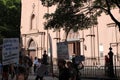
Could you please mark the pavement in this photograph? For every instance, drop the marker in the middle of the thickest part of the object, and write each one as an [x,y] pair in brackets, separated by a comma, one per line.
[32,77]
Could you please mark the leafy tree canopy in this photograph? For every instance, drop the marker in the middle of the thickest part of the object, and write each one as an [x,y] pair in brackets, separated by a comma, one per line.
[106,6]
[68,15]
[9,18]
[78,14]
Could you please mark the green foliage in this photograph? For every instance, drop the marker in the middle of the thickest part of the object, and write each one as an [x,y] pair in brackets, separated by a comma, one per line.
[68,16]
[10,12]
[78,14]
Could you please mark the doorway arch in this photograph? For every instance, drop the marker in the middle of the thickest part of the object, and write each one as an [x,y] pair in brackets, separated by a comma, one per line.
[32,48]
[73,39]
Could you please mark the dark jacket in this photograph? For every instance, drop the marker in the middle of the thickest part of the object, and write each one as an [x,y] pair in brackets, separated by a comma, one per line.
[64,74]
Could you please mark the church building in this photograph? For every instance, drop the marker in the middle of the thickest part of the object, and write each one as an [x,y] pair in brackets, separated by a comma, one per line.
[93,42]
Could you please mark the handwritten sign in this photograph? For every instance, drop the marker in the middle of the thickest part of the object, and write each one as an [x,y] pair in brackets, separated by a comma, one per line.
[62,50]
[10,51]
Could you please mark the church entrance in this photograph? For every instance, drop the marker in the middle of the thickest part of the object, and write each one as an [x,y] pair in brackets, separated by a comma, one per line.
[73,39]
[32,49]
[74,48]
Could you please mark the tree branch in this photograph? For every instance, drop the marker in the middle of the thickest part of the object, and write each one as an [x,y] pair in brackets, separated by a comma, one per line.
[116,2]
[99,7]
[111,15]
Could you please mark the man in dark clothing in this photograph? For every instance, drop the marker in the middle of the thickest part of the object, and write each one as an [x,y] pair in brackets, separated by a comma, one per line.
[5,73]
[45,57]
[72,70]
[64,73]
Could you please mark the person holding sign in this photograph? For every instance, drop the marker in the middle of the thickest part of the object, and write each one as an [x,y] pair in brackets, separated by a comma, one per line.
[5,73]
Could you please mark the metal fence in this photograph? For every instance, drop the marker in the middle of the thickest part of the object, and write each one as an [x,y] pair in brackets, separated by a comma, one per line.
[94,67]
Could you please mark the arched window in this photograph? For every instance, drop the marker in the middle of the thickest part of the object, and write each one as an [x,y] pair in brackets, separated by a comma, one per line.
[32,21]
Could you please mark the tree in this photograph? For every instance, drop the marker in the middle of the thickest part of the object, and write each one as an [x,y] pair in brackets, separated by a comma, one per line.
[9,18]
[68,15]
[99,6]
[78,14]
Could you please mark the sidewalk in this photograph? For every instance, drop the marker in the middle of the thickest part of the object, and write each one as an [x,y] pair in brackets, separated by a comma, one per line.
[32,77]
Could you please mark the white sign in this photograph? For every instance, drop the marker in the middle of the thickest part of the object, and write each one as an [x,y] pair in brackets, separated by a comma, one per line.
[10,51]
[62,50]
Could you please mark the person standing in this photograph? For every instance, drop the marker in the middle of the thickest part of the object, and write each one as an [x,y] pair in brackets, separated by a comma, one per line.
[78,65]
[28,64]
[1,66]
[38,64]
[35,63]
[20,69]
[12,70]
[106,65]
[45,57]
[40,70]
[73,72]
[5,73]
[64,73]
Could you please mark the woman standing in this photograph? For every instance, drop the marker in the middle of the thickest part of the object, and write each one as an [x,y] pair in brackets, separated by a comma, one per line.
[106,65]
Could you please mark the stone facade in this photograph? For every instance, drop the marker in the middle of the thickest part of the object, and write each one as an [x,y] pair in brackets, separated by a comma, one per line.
[93,42]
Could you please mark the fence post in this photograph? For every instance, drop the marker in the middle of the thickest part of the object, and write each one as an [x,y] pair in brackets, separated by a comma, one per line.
[111,73]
